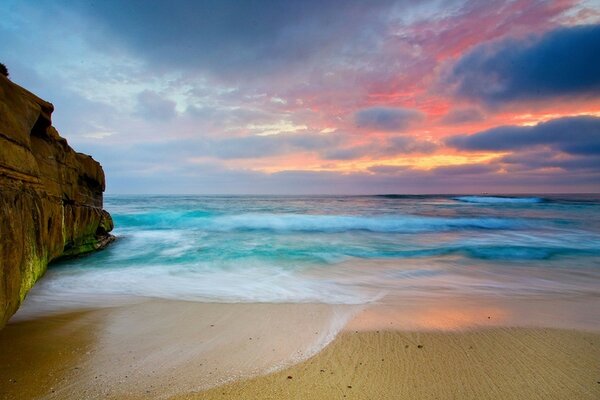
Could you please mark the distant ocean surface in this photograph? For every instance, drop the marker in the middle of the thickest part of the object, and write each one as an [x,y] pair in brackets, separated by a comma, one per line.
[337,250]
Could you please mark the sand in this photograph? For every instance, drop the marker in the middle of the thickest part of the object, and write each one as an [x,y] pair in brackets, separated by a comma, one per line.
[180,350]
[499,363]
[156,349]
[36,357]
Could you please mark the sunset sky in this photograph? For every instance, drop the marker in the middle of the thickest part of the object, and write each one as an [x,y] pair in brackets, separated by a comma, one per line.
[328,97]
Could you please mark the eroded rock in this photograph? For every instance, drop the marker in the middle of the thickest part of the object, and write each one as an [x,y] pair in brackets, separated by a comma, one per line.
[50,196]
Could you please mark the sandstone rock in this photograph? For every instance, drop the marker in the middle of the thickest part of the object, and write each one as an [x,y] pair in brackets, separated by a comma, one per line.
[50,196]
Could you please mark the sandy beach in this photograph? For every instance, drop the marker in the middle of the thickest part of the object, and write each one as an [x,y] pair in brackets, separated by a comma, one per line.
[186,350]
[507,363]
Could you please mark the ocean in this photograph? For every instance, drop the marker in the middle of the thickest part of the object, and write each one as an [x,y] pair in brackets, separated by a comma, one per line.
[355,250]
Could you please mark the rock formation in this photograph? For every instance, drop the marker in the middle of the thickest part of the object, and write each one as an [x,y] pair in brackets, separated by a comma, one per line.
[50,196]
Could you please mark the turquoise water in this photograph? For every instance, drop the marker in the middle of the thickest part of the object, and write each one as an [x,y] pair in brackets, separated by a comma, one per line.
[338,250]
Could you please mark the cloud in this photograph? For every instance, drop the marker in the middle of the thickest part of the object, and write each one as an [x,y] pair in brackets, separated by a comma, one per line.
[389,147]
[154,107]
[259,146]
[572,135]
[332,146]
[570,144]
[168,167]
[212,179]
[386,118]
[241,69]
[463,115]
[224,37]
[531,160]
[465,170]
[389,169]
[408,145]
[562,62]
[459,172]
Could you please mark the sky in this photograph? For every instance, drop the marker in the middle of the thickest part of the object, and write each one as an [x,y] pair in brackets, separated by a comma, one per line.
[319,97]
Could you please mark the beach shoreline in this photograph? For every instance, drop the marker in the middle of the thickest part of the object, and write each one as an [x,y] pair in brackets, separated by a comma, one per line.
[186,350]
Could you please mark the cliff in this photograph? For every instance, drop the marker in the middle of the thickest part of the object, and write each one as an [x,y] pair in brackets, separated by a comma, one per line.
[50,196]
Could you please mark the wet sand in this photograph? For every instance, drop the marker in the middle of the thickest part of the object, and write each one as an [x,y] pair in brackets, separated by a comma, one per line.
[39,356]
[156,349]
[184,350]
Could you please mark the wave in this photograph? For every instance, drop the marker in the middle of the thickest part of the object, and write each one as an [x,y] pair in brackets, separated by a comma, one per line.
[159,218]
[316,223]
[498,199]
[340,223]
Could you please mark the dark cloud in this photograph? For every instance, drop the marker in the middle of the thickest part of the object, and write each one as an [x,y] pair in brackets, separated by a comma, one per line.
[563,62]
[571,135]
[562,149]
[387,118]
[530,160]
[154,107]
[222,36]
